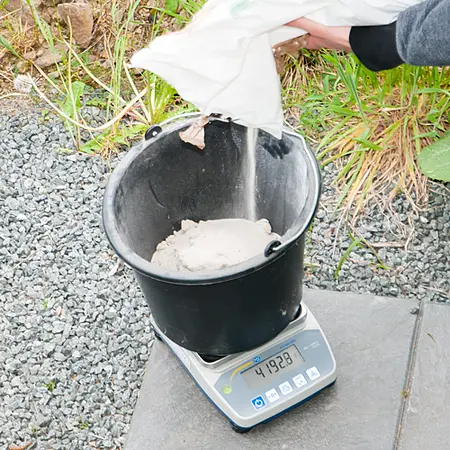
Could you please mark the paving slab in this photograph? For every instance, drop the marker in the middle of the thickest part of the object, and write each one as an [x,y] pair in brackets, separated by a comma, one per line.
[426,421]
[370,337]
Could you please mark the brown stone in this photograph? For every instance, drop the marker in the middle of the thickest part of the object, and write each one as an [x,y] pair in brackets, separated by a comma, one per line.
[49,57]
[31,55]
[25,14]
[81,19]
[13,5]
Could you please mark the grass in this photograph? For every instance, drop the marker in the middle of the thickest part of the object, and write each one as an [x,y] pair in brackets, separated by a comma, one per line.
[371,126]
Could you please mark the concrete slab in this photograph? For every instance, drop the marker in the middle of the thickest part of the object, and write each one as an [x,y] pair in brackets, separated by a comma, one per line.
[370,337]
[426,419]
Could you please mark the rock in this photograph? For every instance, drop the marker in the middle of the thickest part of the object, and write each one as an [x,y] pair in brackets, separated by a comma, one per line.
[13,5]
[26,17]
[110,314]
[31,55]
[58,327]
[25,14]
[81,20]
[49,347]
[42,421]
[50,57]
[59,357]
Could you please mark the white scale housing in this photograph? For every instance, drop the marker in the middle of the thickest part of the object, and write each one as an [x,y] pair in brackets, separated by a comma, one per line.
[256,386]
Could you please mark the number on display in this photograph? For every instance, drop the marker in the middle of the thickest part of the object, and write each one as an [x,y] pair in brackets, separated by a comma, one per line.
[260,372]
[288,358]
[276,364]
[281,362]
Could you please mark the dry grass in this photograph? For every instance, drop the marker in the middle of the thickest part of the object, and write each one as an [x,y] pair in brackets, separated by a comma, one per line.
[372,126]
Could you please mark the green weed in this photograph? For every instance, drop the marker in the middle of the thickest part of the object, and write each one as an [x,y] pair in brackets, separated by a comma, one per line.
[83,424]
[5,43]
[51,385]
[355,243]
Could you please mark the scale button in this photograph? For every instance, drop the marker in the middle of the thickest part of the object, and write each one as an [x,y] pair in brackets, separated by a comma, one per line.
[286,388]
[272,395]
[299,380]
[313,373]
[258,402]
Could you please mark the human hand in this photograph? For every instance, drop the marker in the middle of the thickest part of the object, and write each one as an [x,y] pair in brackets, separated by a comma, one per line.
[320,36]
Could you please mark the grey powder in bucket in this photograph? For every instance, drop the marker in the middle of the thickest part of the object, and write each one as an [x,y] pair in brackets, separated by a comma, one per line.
[213,244]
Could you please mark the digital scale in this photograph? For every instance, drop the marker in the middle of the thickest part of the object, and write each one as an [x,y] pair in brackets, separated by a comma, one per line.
[256,386]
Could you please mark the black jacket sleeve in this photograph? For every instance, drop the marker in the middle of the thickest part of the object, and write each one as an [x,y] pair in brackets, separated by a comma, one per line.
[419,37]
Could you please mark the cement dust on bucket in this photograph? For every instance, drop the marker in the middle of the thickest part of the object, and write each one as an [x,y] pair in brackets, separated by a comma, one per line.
[250,189]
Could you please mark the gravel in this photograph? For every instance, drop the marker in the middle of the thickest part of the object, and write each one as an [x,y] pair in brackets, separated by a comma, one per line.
[414,246]
[75,328]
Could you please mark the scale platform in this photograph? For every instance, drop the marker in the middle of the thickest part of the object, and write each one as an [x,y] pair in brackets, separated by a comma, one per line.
[257,386]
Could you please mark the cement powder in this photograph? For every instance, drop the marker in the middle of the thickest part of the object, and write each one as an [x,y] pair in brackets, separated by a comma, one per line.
[213,244]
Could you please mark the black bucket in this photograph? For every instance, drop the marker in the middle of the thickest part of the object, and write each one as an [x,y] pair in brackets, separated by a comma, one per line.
[163,181]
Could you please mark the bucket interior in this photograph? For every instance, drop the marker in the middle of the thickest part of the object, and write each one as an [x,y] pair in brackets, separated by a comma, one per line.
[169,181]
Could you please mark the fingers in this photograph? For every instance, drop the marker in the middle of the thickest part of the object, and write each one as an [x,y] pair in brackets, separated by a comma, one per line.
[314,43]
[321,36]
[305,24]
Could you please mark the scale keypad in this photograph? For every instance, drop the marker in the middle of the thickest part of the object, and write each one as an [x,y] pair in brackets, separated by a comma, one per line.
[272,395]
[313,373]
[286,388]
[300,380]
[258,402]
[277,378]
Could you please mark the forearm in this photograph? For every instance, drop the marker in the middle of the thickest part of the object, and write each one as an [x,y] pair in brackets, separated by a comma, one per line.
[419,37]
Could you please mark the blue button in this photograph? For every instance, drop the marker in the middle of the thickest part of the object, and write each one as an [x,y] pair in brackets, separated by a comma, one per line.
[258,403]
[257,359]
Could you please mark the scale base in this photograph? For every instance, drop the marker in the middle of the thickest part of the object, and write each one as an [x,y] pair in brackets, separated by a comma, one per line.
[222,380]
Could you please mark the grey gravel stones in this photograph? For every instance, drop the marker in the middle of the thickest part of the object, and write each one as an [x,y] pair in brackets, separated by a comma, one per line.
[74,339]
[422,271]
[75,330]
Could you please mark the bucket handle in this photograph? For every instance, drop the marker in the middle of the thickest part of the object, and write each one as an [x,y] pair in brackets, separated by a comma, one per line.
[152,132]
[272,248]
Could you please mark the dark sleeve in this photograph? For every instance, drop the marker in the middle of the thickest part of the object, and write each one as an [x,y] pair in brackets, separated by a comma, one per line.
[376,47]
[419,37]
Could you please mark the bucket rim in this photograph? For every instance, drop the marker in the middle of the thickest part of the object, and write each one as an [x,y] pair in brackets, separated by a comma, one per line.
[148,269]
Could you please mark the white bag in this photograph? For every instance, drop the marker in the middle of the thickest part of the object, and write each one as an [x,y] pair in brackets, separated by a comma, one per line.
[222,62]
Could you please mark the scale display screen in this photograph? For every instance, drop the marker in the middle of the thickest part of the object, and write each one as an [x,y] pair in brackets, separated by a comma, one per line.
[273,367]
